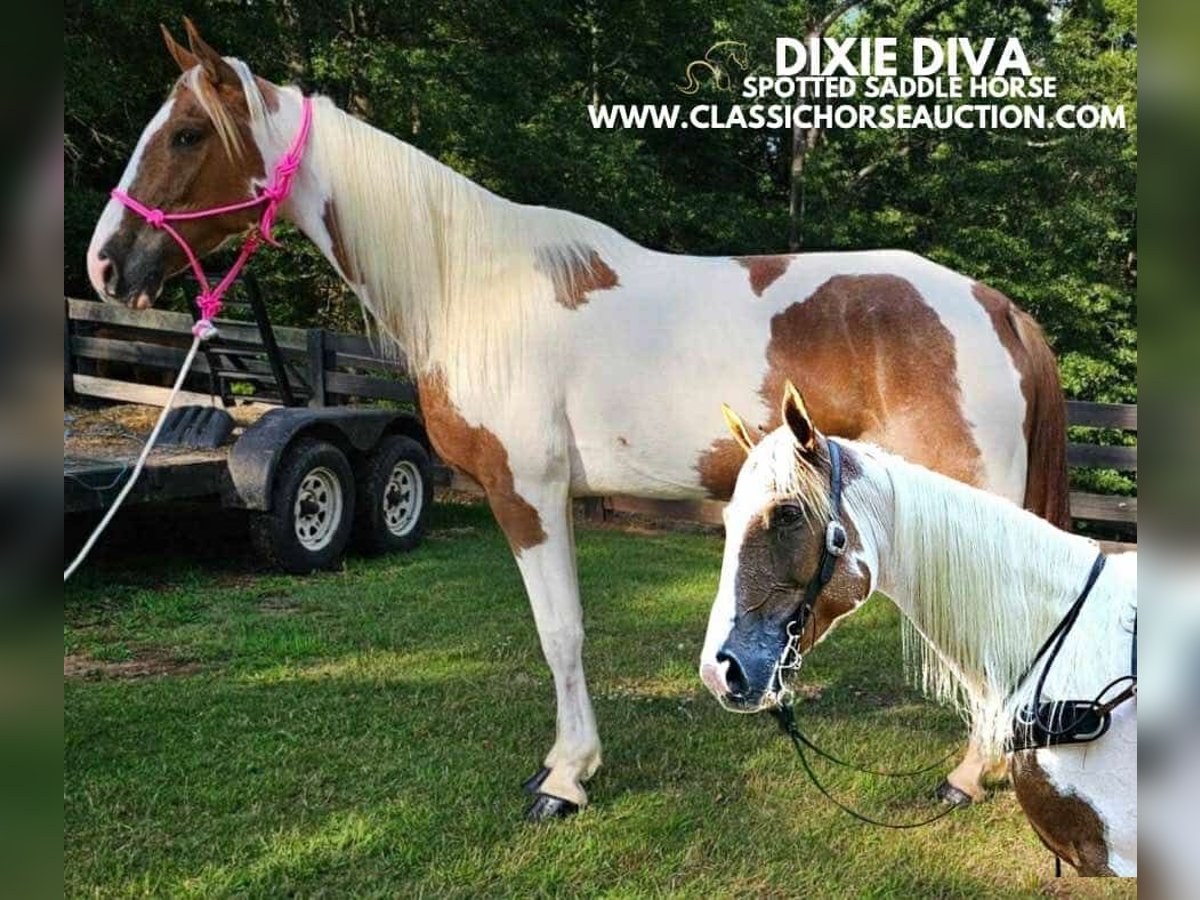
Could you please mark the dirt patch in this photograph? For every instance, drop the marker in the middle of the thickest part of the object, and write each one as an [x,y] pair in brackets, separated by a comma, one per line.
[466,494]
[636,523]
[149,665]
[446,534]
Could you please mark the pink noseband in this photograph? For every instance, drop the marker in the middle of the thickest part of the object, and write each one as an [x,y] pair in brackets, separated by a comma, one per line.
[209,299]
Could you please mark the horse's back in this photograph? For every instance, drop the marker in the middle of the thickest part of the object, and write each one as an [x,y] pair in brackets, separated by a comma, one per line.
[887,347]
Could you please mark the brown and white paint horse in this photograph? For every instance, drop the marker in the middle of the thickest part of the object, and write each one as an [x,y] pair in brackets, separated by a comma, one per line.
[555,358]
[983,581]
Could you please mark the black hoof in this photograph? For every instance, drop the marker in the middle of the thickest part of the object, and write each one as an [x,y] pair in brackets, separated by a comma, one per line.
[534,782]
[547,806]
[949,794]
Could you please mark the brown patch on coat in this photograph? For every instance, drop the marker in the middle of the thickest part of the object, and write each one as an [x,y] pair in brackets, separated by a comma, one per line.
[1065,822]
[1046,480]
[764,270]
[874,362]
[341,254]
[573,281]
[477,452]
[719,465]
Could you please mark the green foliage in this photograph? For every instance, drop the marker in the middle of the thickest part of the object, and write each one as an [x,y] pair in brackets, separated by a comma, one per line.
[498,89]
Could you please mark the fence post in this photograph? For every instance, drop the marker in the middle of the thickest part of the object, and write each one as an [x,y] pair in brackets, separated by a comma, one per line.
[316,366]
[68,357]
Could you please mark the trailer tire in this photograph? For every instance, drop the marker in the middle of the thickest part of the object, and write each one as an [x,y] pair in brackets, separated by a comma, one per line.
[395,494]
[312,509]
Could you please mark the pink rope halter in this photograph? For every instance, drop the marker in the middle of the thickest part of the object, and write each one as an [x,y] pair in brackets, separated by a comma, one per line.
[209,299]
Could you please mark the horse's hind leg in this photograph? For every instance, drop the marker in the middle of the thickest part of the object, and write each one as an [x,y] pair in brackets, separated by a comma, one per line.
[548,569]
[965,783]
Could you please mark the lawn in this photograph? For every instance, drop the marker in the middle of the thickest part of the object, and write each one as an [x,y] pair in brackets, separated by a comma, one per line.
[235,732]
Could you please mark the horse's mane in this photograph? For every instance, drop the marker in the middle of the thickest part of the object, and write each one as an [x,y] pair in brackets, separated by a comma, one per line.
[985,581]
[448,269]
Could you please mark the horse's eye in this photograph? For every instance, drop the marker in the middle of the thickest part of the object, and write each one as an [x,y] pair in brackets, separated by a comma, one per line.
[787,515]
[186,137]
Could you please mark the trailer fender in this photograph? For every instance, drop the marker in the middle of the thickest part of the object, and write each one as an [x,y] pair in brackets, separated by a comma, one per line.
[254,457]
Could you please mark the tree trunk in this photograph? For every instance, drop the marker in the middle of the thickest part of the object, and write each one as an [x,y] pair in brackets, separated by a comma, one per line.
[805,139]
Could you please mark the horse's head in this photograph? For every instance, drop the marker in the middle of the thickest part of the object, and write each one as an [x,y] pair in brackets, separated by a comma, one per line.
[204,148]
[776,529]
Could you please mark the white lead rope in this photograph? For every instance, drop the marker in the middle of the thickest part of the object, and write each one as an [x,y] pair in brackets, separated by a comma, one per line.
[138,466]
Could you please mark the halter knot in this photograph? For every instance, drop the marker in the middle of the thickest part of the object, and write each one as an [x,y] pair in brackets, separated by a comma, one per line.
[156,218]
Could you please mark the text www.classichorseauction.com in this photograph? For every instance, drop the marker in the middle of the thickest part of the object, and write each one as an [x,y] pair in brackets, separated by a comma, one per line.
[857,83]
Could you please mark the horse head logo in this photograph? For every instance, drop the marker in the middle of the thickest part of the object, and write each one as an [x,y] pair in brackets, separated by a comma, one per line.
[718,60]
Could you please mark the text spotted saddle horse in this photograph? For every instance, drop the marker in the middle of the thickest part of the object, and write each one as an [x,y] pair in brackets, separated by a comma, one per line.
[1050,723]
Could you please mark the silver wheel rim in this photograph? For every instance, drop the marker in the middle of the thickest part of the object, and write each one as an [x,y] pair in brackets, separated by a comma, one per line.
[318,509]
[402,496]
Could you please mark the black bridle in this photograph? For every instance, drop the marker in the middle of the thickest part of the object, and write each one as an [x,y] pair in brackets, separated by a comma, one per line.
[1051,732]
[1050,723]
[831,551]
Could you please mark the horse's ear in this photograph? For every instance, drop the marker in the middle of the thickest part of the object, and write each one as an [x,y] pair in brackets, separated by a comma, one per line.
[738,429]
[215,67]
[183,57]
[795,414]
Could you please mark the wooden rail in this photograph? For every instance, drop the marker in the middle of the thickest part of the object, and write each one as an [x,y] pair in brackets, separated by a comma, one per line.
[1114,514]
[323,367]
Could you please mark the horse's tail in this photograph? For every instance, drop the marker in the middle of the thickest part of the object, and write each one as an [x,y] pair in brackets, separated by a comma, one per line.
[1046,483]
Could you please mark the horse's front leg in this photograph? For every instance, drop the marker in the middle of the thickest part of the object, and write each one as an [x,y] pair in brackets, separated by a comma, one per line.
[546,558]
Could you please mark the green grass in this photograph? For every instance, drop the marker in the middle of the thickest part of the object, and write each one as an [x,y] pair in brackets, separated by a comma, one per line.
[366,732]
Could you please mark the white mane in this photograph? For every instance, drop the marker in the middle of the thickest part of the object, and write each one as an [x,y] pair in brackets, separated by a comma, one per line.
[987,582]
[984,583]
[451,271]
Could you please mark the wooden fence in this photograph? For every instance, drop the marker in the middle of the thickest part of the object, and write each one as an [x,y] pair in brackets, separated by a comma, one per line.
[1106,515]
[322,367]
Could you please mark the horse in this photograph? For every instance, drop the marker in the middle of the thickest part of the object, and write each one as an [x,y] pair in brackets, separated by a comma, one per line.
[555,358]
[816,526]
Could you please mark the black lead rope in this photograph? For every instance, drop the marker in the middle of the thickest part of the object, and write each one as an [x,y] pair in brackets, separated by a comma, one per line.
[787,721]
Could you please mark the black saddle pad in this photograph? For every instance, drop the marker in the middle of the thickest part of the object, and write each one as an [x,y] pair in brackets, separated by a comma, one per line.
[1065,722]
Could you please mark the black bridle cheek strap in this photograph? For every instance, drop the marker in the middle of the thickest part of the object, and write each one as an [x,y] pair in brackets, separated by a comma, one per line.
[835,545]
[833,549]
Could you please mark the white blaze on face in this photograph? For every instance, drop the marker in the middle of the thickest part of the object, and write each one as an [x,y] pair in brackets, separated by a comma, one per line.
[110,219]
[750,497]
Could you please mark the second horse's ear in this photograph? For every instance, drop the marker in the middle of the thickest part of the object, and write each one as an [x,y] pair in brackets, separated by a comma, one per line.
[799,422]
[738,429]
